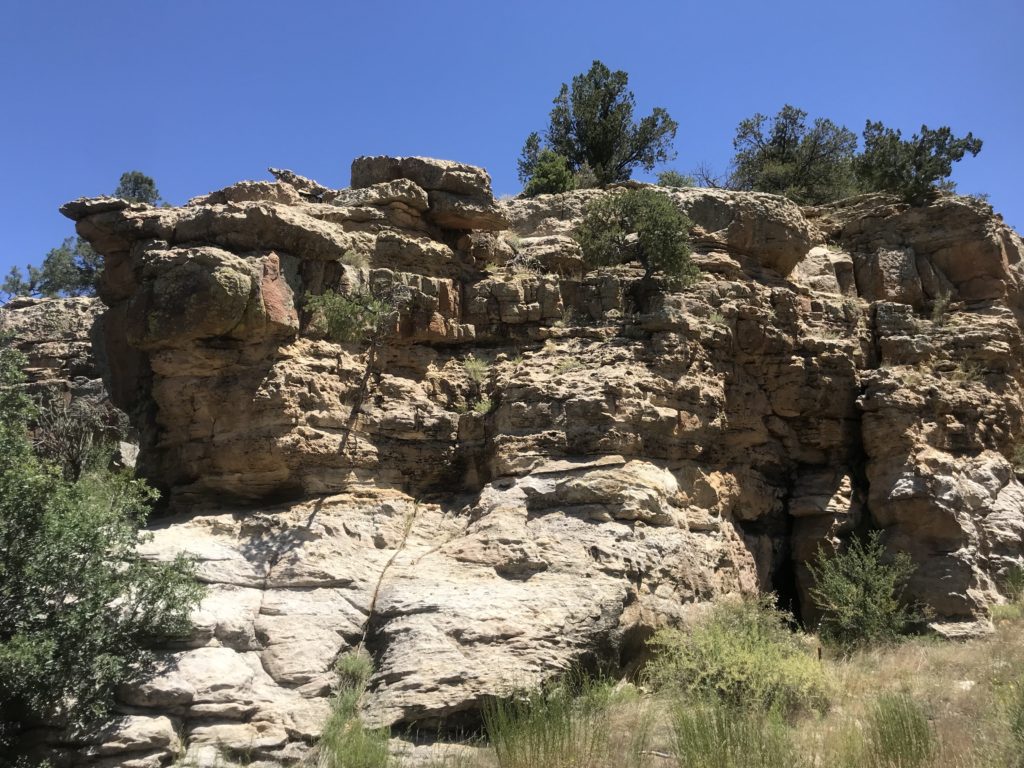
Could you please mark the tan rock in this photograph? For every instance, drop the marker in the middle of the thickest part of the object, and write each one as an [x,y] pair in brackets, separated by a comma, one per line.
[627,451]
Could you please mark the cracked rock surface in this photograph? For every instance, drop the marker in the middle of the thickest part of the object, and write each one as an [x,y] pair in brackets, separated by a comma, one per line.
[630,450]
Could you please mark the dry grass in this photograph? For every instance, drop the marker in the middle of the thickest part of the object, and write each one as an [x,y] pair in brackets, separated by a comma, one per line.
[924,703]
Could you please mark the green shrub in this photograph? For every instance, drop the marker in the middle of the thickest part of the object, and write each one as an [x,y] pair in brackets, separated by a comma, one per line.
[675,179]
[661,242]
[550,175]
[713,735]
[78,604]
[809,164]
[912,168]
[591,126]
[859,594]
[355,317]
[742,654]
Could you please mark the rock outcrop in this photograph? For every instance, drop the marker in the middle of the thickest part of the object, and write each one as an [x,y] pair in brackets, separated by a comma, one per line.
[629,450]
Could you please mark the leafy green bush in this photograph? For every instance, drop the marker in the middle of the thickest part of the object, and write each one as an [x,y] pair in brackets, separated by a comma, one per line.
[550,175]
[591,125]
[137,187]
[810,165]
[860,594]
[742,654]
[712,735]
[78,604]
[675,179]
[912,168]
[661,244]
[355,317]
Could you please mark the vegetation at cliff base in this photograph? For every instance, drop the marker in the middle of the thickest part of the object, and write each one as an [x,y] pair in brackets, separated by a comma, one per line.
[743,654]
[641,225]
[593,128]
[859,591]
[78,603]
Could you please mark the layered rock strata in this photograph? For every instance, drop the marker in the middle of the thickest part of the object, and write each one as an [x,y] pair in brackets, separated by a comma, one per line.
[631,449]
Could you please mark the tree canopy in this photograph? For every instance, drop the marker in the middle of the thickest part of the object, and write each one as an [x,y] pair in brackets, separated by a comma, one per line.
[592,126]
[70,269]
[77,601]
[73,267]
[783,155]
[138,188]
[912,168]
[818,163]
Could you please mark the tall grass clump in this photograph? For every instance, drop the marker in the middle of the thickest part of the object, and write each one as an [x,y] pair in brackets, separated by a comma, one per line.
[744,655]
[1015,718]
[346,742]
[897,734]
[562,724]
[860,594]
[476,369]
[712,735]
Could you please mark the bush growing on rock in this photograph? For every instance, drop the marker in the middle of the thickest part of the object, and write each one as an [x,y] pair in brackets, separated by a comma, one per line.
[77,602]
[743,655]
[810,165]
[675,179]
[637,225]
[550,175]
[354,317]
[860,594]
[137,187]
[913,168]
[592,127]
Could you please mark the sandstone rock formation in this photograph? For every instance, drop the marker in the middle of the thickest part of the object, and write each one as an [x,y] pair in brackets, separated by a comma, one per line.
[630,451]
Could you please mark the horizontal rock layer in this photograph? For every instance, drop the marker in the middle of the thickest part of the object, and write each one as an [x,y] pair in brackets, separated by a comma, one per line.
[543,464]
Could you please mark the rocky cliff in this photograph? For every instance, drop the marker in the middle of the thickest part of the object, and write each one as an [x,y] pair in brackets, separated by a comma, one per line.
[630,449]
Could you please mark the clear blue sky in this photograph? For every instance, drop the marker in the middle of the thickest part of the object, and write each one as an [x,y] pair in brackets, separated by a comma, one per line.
[202,93]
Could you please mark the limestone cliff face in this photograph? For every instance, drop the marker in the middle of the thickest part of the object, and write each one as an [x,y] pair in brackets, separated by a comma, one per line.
[633,449]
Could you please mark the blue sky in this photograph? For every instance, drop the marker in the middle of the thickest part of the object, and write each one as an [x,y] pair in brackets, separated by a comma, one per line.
[199,94]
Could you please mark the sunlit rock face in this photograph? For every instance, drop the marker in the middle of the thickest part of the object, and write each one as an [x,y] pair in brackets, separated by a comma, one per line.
[628,450]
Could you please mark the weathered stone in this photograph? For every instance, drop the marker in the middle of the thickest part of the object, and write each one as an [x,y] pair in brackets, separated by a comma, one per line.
[459,195]
[618,451]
